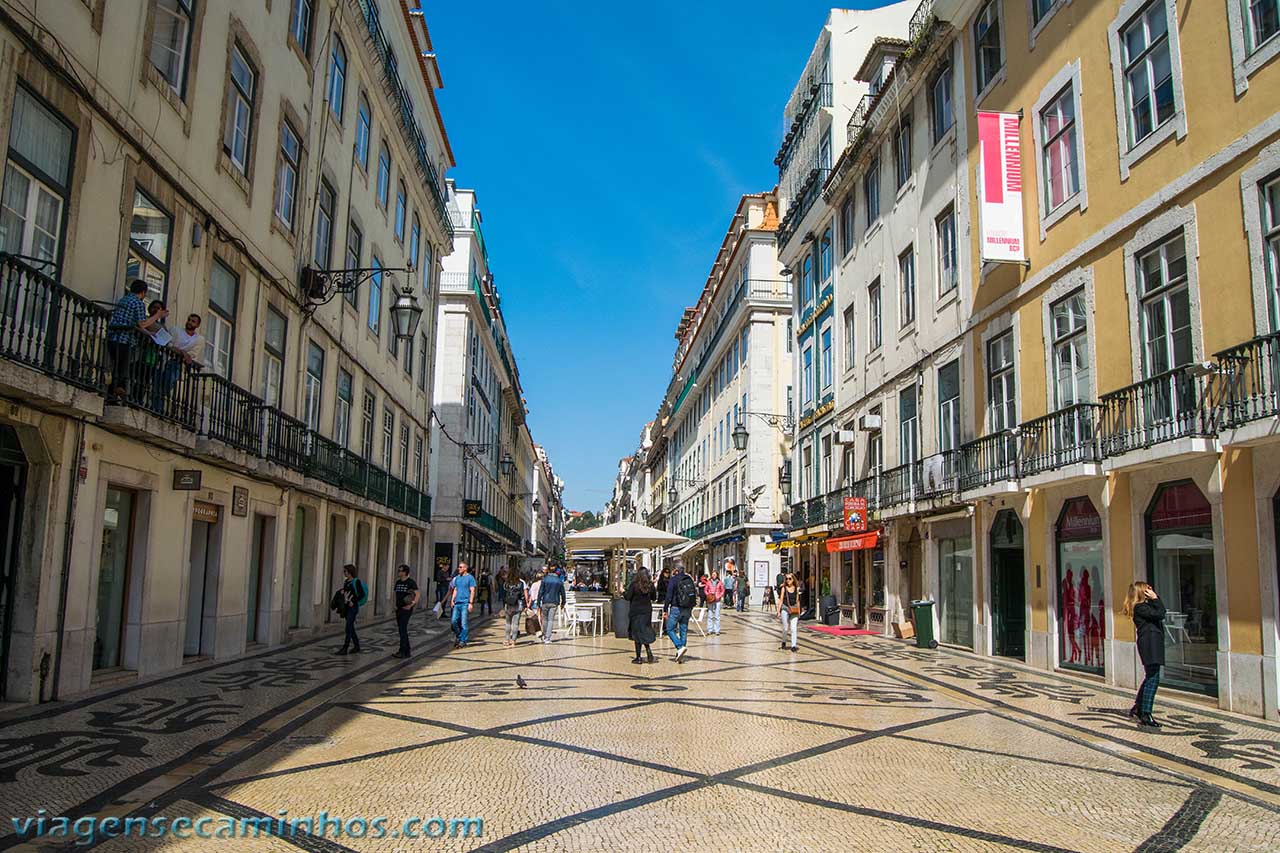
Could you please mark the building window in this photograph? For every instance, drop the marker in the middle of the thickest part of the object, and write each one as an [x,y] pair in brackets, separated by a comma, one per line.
[1072,379]
[871,191]
[1082,616]
[273,345]
[1166,306]
[949,406]
[1041,8]
[850,337]
[366,426]
[375,298]
[902,154]
[846,225]
[874,308]
[422,361]
[944,236]
[337,77]
[1001,389]
[1271,247]
[384,176]
[355,247]
[239,129]
[827,370]
[790,335]
[875,451]
[324,225]
[364,130]
[404,450]
[224,288]
[417,461]
[415,242]
[1058,153]
[906,288]
[1148,72]
[150,233]
[806,378]
[171,42]
[908,425]
[36,180]
[300,20]
[1263,22]
[388,435]
[806,279]
[287,174]
[988,44]
[941,116]
[402,201]
[342,410]
[824,257]
[314,383]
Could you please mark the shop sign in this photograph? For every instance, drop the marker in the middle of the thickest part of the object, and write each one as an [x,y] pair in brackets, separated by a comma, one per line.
[855,514]
[1000,187]
[863,542]
[239,501]
[471,509]
[186,480]
[206,512]
[1079,521]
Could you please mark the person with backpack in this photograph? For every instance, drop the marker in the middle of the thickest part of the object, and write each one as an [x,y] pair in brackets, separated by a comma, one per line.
[713,594]
[682,597]
[515,598]
[352,595]
[462,596]
[406,590]
[550,596]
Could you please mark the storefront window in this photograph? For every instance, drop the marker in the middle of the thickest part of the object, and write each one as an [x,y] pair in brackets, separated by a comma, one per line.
[877,578]
[1081,613]
[955,582]
[113,577]
[1181,568]
[846,574]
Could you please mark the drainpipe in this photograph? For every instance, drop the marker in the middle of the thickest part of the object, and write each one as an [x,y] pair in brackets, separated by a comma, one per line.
[73,490]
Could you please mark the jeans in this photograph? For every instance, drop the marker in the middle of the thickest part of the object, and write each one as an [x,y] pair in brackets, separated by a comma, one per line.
[548,612]
[486,603]
[402,623]
[742,602]
[459,622]
[678,626]
[713,617]
[351,640]
[1147,692]
[513,625]
[728,598]
[790,621]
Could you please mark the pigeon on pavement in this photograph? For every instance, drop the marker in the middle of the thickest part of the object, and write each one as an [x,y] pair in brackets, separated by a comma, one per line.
[520,682]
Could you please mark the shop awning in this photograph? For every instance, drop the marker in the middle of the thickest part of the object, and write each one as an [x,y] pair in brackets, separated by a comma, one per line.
[776,546]
[811,538]
[860,542]
[725,540]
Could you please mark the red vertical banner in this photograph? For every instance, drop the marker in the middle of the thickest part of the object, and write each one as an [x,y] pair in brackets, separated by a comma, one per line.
[1000,187]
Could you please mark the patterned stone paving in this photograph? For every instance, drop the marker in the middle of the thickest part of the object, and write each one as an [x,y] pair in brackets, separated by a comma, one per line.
[849,743]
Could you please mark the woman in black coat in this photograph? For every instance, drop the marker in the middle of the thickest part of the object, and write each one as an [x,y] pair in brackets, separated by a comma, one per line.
[641,594]
[1147,611]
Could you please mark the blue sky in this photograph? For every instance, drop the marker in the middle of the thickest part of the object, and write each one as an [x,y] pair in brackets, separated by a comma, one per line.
[609,145]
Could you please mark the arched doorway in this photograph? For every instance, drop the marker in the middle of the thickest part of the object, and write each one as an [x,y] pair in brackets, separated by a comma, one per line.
[1008,587]
[13,476]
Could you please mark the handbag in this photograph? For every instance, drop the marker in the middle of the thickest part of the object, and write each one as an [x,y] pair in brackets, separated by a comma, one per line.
[532,625]
[794,610]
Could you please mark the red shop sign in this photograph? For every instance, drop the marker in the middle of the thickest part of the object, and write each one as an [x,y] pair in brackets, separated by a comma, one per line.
[1079,521]
[861,542]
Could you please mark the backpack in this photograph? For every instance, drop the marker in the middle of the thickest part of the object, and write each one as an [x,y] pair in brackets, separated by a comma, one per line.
[361,591]
[515,594]
[686,592]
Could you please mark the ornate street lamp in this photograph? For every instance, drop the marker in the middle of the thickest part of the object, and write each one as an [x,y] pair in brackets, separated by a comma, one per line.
[672,496]
[783,423]
[740,435]
[405,314]
[506,464]
[319,287]
[784,480]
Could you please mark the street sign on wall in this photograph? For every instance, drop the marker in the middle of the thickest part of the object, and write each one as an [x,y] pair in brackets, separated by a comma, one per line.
[1000,187]
[855,515]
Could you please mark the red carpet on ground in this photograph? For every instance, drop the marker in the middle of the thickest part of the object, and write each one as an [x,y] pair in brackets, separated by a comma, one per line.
[842,631]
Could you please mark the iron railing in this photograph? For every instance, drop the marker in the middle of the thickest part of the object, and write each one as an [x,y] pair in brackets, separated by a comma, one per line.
[987,460]
[861,113]
[153,378]
[1172,405]
[231,414]
[49,327]
[1066,437]
[921,23]
[326,462]
[1251,371]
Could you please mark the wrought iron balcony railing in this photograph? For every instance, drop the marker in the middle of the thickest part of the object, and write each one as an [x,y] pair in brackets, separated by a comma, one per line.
[1175,404]
[1066,437]
[1252,380]
[49,327]
[987,460]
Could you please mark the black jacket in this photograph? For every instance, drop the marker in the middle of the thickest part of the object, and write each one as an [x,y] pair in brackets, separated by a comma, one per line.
[1148,621]
[640,617]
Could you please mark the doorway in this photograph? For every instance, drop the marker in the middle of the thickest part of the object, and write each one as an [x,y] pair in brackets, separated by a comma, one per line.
[382,574]
[260,571]
[911,578]
[13,474]
[197,587]
[295,568]
[114,570]
[955,590]
[1008,587]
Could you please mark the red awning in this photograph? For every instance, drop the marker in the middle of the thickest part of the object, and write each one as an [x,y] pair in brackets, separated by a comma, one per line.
[861,542]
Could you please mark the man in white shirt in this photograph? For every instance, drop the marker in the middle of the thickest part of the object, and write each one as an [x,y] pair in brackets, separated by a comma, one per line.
[189,341]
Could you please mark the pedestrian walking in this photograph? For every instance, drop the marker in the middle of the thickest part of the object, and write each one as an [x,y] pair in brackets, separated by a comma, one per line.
[353,596]
[442,582]
[550,596]
[406,590]
[744,593]
[641,595]
[789,609]
[462,596]
[484,593]
[681,598]
[1147,611]
[515,599]
[713,593]
[730,583]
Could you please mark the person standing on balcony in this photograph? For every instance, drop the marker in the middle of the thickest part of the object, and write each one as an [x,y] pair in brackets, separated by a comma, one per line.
[128,320]
[461,599]
[1147,611]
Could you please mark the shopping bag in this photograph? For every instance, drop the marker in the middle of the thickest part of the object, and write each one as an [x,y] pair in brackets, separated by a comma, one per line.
[435,611]
[532,625]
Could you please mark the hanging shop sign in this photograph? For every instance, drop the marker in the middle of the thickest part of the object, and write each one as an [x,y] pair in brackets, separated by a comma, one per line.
[186,479]
[471,509]
[206,512]
[855,514]
[1000,188]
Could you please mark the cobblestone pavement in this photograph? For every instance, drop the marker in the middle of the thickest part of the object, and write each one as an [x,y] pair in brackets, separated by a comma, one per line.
[849,743]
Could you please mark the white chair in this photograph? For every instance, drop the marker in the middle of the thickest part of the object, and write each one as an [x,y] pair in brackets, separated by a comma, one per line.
[699,620]
[581,616]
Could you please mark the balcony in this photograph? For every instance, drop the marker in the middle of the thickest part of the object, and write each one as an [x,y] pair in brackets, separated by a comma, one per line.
[1251,397]
[819,95]
[921,26]
[50,329]
[1062,439]
[1175,405]
[861,114]
[990,463]
[806,193]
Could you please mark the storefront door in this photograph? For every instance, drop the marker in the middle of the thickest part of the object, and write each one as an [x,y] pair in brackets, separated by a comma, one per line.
[955,590]
[13,471]
[1181,568]
[295,570]
[1008,587]
[1081,611]
[197,586]
[113,577]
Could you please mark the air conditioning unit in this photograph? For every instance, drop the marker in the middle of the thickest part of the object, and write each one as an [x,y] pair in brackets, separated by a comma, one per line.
[869,423]
[845,436]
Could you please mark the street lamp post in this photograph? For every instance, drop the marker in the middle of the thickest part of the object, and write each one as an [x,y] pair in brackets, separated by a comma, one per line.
[320,287]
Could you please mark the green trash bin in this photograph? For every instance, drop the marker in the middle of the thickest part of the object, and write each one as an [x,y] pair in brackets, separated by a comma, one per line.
[923,611]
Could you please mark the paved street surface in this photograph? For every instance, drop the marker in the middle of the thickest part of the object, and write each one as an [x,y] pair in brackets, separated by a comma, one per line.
[850,743]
